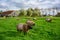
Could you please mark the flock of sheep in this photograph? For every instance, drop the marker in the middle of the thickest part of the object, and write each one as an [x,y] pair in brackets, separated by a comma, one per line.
[28,25]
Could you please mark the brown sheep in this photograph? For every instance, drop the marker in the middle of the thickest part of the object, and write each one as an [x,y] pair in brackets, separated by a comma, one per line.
[25,26]
[22,27]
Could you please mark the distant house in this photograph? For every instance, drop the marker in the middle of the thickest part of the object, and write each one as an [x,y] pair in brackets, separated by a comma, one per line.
[9,13]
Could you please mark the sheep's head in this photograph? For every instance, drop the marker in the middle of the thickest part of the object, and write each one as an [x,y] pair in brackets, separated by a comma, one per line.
[30,23]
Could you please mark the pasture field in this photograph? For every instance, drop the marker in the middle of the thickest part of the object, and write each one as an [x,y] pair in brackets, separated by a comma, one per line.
[41,31]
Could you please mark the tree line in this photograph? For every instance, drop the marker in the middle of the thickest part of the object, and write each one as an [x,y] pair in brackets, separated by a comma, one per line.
[30,12]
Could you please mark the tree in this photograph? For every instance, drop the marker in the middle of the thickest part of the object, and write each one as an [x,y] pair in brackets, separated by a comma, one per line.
[29,11]
[36,12]
[23,12]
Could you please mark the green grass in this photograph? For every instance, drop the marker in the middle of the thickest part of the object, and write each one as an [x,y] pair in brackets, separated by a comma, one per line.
[41,31]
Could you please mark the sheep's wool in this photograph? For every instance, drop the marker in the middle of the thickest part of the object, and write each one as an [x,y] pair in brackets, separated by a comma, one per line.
[20,26]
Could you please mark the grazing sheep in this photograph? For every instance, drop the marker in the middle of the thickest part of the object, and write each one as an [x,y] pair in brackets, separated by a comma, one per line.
[22,27]
[25,27]
[30,23]
[48,19]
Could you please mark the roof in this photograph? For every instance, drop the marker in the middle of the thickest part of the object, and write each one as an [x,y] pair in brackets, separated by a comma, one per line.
[7,12]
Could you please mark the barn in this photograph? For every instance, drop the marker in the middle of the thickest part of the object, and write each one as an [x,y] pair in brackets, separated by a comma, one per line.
[9,13]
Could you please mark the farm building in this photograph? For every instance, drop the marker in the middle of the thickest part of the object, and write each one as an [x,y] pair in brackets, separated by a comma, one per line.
[9,13]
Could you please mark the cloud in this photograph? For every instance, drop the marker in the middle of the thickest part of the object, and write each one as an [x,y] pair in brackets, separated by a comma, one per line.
[17,4]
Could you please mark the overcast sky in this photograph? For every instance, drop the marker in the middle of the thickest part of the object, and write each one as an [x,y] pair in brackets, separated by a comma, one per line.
[17,4]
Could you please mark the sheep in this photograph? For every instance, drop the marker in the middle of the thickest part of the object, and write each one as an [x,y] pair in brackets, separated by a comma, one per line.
[22,27]
[30,23]
[48,19]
